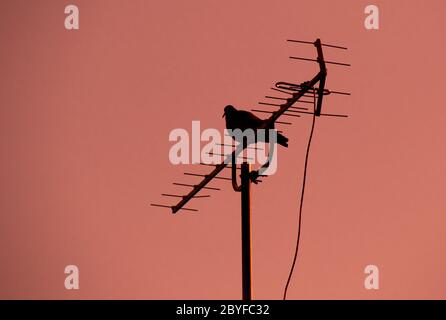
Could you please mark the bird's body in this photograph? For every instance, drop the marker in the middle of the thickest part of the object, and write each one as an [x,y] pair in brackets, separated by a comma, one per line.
[243,120]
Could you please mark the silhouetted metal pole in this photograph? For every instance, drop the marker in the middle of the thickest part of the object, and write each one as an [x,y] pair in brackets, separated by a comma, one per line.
[246,232]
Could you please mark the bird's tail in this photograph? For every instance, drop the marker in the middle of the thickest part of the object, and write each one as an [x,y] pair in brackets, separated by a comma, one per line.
[282,140]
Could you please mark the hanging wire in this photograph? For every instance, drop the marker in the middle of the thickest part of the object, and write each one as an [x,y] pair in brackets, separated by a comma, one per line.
[301,200]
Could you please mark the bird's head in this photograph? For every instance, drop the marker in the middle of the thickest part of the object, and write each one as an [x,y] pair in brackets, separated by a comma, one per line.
[228,110]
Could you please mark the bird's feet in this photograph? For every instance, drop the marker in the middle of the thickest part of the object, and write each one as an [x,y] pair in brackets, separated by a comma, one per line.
[253,176]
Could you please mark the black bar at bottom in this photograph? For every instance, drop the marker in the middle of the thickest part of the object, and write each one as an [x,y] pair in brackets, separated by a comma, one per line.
[223,309]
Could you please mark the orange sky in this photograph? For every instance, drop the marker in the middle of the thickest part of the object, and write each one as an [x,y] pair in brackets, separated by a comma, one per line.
[84,124]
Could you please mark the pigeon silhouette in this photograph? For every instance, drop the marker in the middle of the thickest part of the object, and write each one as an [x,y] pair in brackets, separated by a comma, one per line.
[240,119]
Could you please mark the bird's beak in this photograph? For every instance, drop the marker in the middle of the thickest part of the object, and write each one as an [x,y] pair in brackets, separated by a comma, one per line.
[223,115]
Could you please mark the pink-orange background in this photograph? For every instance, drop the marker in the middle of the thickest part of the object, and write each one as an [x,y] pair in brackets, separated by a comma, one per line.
[84,123]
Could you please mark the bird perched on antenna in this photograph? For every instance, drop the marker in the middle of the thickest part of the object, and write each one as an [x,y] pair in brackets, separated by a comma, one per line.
[240,119]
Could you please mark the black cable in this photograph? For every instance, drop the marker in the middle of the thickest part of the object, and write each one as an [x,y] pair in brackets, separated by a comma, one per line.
[301,203]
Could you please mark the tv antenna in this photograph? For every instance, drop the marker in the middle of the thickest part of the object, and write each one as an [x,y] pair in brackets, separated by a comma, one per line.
[315,90]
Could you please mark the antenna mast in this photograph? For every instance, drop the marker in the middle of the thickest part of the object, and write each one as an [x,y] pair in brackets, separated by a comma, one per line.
[296,92]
